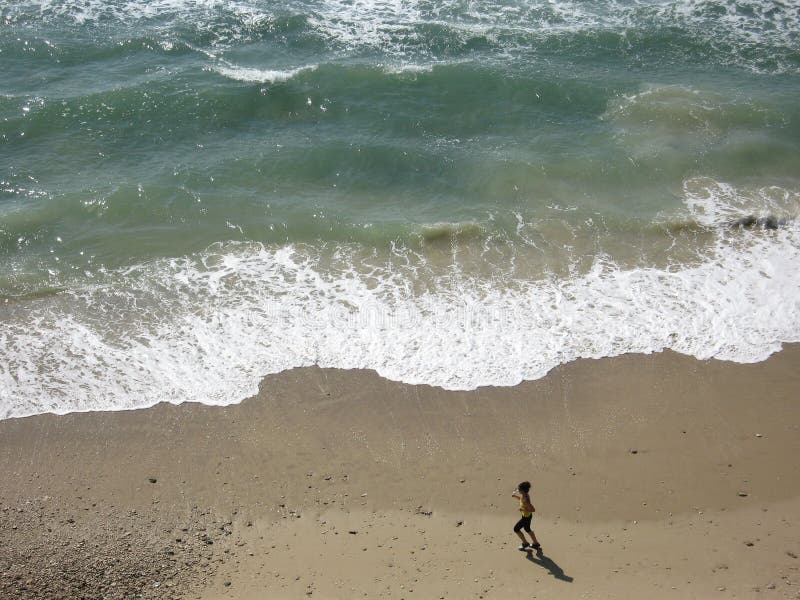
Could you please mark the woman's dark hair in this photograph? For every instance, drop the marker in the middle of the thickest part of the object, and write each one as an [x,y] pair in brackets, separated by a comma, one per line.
[524,487]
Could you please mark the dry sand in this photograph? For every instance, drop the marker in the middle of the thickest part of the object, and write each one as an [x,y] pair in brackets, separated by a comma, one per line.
[657,476]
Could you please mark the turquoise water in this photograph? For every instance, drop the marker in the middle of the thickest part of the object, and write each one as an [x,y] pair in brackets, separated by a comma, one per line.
[195,194]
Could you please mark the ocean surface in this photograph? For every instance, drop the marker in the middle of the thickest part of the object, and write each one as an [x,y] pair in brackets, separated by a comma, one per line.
[194,194]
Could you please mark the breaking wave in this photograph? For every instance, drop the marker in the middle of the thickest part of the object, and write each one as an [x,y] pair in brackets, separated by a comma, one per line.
[207,328]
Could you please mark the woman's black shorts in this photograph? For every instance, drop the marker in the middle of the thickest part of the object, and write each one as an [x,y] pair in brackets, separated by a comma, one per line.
[524,523]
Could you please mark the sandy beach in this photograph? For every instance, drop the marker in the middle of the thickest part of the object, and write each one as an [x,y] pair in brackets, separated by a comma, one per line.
[653,476]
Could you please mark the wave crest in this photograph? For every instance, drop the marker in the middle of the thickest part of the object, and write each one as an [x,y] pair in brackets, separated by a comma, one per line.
[253,75]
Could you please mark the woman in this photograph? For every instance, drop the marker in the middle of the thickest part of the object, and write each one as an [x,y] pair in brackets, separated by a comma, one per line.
[527,510]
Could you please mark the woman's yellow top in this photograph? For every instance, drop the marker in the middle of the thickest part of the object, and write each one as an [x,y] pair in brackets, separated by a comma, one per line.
[522,503]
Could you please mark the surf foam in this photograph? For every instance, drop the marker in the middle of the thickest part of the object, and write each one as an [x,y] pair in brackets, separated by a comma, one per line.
[208,328]
[756,34]
[254,75]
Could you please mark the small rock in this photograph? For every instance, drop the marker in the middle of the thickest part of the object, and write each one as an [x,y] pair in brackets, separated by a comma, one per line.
[227,584]
[152,479]
[748,544]
[459,523]
[634,451]
[771,586]
[743,494]
[352,532]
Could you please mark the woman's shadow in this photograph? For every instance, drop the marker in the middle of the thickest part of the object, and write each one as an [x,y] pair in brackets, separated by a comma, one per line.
[548,563]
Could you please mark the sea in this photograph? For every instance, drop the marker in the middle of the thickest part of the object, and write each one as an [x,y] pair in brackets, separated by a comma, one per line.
[197,193]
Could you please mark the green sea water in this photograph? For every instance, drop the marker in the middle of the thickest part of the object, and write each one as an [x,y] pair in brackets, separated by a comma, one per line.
[182,174]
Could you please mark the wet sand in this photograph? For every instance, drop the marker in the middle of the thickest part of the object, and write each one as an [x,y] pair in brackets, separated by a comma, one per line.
[653,475]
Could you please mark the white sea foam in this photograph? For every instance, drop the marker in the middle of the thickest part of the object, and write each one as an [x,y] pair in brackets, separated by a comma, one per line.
[255,75]
[741,32]
[716,204]
[249,74]
[405,67]
[208,328]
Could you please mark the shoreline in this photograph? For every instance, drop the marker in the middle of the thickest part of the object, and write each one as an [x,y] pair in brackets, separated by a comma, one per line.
[446,390]
[675,464]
